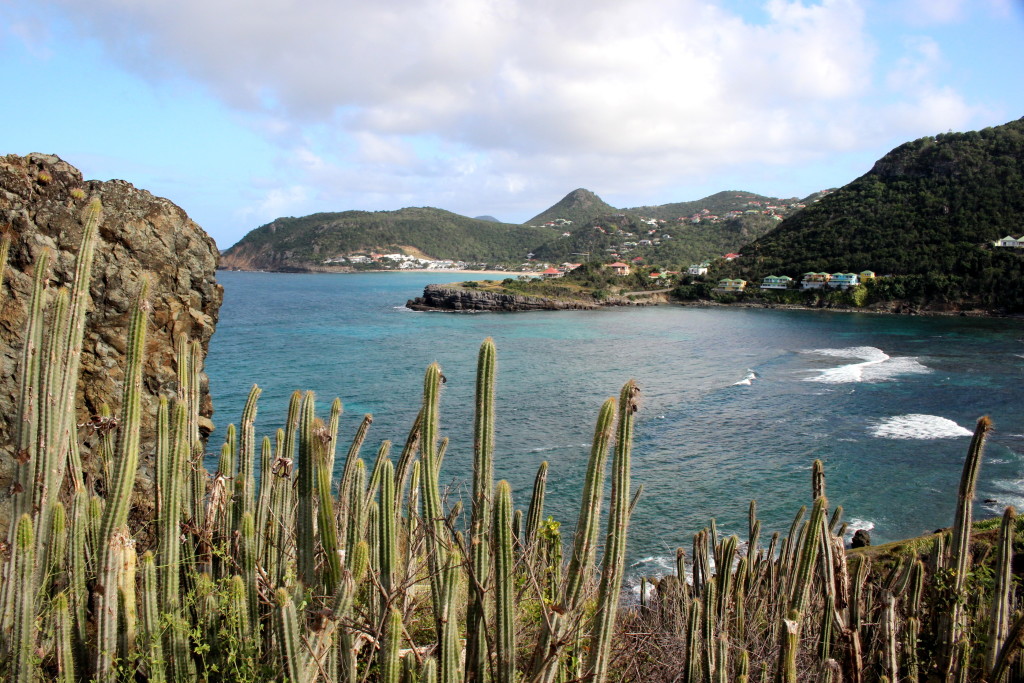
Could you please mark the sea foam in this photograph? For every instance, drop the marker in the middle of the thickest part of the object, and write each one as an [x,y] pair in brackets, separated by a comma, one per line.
[917,426]
[875,366]
[747,380]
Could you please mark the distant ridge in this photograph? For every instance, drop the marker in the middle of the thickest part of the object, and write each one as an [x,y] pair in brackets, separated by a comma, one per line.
[580,226]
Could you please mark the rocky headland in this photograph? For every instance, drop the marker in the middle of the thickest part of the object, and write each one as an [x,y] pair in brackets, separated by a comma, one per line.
[460,298]
[42,203]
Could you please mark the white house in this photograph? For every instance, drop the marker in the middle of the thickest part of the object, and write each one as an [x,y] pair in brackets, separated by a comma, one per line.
[698,269]
[776,282]
[1010,242]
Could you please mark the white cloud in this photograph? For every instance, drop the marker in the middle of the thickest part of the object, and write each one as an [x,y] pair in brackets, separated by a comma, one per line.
[275,202]
[414,98]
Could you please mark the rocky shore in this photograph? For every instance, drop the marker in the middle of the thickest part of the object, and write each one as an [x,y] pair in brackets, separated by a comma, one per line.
[465,299]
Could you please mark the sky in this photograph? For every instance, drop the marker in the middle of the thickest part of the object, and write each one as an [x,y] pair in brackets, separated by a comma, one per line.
[242,111]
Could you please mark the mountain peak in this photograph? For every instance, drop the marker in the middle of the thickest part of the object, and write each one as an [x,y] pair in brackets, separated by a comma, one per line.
[578,206]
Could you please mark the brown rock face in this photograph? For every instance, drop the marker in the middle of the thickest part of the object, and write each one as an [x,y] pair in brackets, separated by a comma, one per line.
[42,203]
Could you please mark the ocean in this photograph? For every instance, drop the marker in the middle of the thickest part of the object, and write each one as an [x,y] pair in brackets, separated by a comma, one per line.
[735,403]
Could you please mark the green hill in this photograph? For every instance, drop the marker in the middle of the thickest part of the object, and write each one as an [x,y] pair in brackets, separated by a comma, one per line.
[579,206]
[927,214]
[299,243]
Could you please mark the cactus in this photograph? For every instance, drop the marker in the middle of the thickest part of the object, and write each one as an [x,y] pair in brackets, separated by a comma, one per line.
[437,532]
[960,548]
[27,425]
[246,484]
[153,652]
[693,654]
[387,537]
[483,486]
[288,637]
[817,480]
[374,486]
[535,513]
[127,609]
[391,666]
[615,543]
[304,518]
[22,583]
[63,638]
[999,624]
[504,606]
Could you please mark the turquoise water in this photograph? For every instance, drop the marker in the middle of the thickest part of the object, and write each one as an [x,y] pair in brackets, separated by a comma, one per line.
[736,403]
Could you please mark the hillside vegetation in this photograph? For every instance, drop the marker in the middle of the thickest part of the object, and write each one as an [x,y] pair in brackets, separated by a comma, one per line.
[927,213]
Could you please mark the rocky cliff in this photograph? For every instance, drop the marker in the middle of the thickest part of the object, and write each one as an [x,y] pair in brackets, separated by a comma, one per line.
[42,202]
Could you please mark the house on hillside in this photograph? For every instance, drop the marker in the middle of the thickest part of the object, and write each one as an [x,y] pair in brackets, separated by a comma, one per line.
[1010,242]
[698,268]
[814,280]
[731,257]
[619,267]
[776,282]
[866,275]
[843,280]
[551,273]
[728,285]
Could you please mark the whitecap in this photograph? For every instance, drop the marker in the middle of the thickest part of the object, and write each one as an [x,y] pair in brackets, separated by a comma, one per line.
[855,525]
[916,426]
[875,366]
[747,380]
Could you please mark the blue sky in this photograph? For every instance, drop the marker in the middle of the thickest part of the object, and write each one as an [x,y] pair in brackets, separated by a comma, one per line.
[241,111]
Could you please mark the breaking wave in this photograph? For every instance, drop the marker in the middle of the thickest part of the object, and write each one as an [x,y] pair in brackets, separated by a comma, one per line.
[916,426]
[875,366]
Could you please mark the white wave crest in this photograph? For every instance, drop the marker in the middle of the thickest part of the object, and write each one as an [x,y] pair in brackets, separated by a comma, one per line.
[747,380]
[917,426]
[856,524]
[875,366]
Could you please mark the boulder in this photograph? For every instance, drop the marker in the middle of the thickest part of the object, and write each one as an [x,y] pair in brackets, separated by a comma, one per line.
[43,200]
[861,539]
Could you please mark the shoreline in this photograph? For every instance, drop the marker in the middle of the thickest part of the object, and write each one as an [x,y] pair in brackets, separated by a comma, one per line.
[897,309]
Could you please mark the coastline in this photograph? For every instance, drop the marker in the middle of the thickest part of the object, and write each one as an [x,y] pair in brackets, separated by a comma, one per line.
[889,308]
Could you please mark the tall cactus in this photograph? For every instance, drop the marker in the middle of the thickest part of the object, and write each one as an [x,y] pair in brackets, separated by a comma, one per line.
[437,532]
[615,542]
[115,513]
[305,523]
[483,486]
[22,583]
[999,624]
[504,606]
[960,547]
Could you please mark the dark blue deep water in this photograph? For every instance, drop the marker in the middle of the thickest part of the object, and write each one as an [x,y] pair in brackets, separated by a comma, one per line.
[736,403]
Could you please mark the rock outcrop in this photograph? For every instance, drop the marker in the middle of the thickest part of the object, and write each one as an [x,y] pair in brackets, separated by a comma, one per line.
[448,298]
[42,203]
[456,298]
